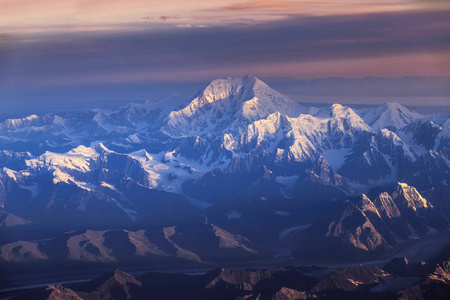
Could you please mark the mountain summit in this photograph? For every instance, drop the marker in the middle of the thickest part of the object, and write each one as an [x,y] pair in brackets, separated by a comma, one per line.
[390,115]
[229,104]
[233,174]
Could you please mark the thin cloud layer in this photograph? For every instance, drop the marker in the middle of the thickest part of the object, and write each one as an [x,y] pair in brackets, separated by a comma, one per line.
[74,50]
[267,49]
[169,17]
[24,16]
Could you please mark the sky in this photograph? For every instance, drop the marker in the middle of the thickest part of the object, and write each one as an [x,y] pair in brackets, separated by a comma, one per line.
[66,51]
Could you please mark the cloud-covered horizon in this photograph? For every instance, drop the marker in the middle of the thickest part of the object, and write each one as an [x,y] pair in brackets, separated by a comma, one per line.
[423,94]
[67,50]
[383,44]
[75,14]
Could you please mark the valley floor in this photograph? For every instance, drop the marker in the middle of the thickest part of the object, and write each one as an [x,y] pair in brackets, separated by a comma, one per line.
[415,250]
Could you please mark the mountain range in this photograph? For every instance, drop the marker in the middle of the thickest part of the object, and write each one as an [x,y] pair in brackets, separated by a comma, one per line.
[227,174]
[398,279]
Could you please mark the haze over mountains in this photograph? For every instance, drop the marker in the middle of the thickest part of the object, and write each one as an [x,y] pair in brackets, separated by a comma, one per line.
[237,173]
[427,95]
[398,279]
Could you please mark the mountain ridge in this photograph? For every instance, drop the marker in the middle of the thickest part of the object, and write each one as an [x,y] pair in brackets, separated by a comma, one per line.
[236,157]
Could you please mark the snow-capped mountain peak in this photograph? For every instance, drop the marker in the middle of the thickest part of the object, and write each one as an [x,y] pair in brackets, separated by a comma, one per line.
[240,120]
[230,103]
[83,151]
[18,123]
[342,117]
[100,148]
[391,115]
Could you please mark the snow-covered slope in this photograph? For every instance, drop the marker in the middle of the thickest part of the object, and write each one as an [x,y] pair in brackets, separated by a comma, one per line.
[239,154]
[229,105]
[389,115]
[305,136]
[163,144]
[14,124]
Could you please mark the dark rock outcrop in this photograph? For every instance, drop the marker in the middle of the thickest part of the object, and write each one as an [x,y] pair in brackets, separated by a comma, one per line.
[398,266]
[350,279]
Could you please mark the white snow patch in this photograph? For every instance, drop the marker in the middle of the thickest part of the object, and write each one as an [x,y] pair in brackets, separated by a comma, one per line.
[228,142]
[32,188]
[307,135]
[86,186]
[134,139]
[199,203]
[285,232]
[367,158]
[130,213]
[78,159]
[408,139]
[445,132]
[233,215]
[335,157]
[166,171]
[101,119]
[83,152]
[11,173]
[60,176]
[397,141]
[111,187]
[389,114]
[286,184]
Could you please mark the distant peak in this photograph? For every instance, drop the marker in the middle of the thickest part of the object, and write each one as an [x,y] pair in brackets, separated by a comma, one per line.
[336,107]
[32,117]
[121,277]
[252,78]
[232,103]
[338,110]
[392,105]
[411,195]
[119,273]
[391,115]
[246,81]
[124,278]
[244,77]
[83,151]
[364,197]
[60,292]
[143,154]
